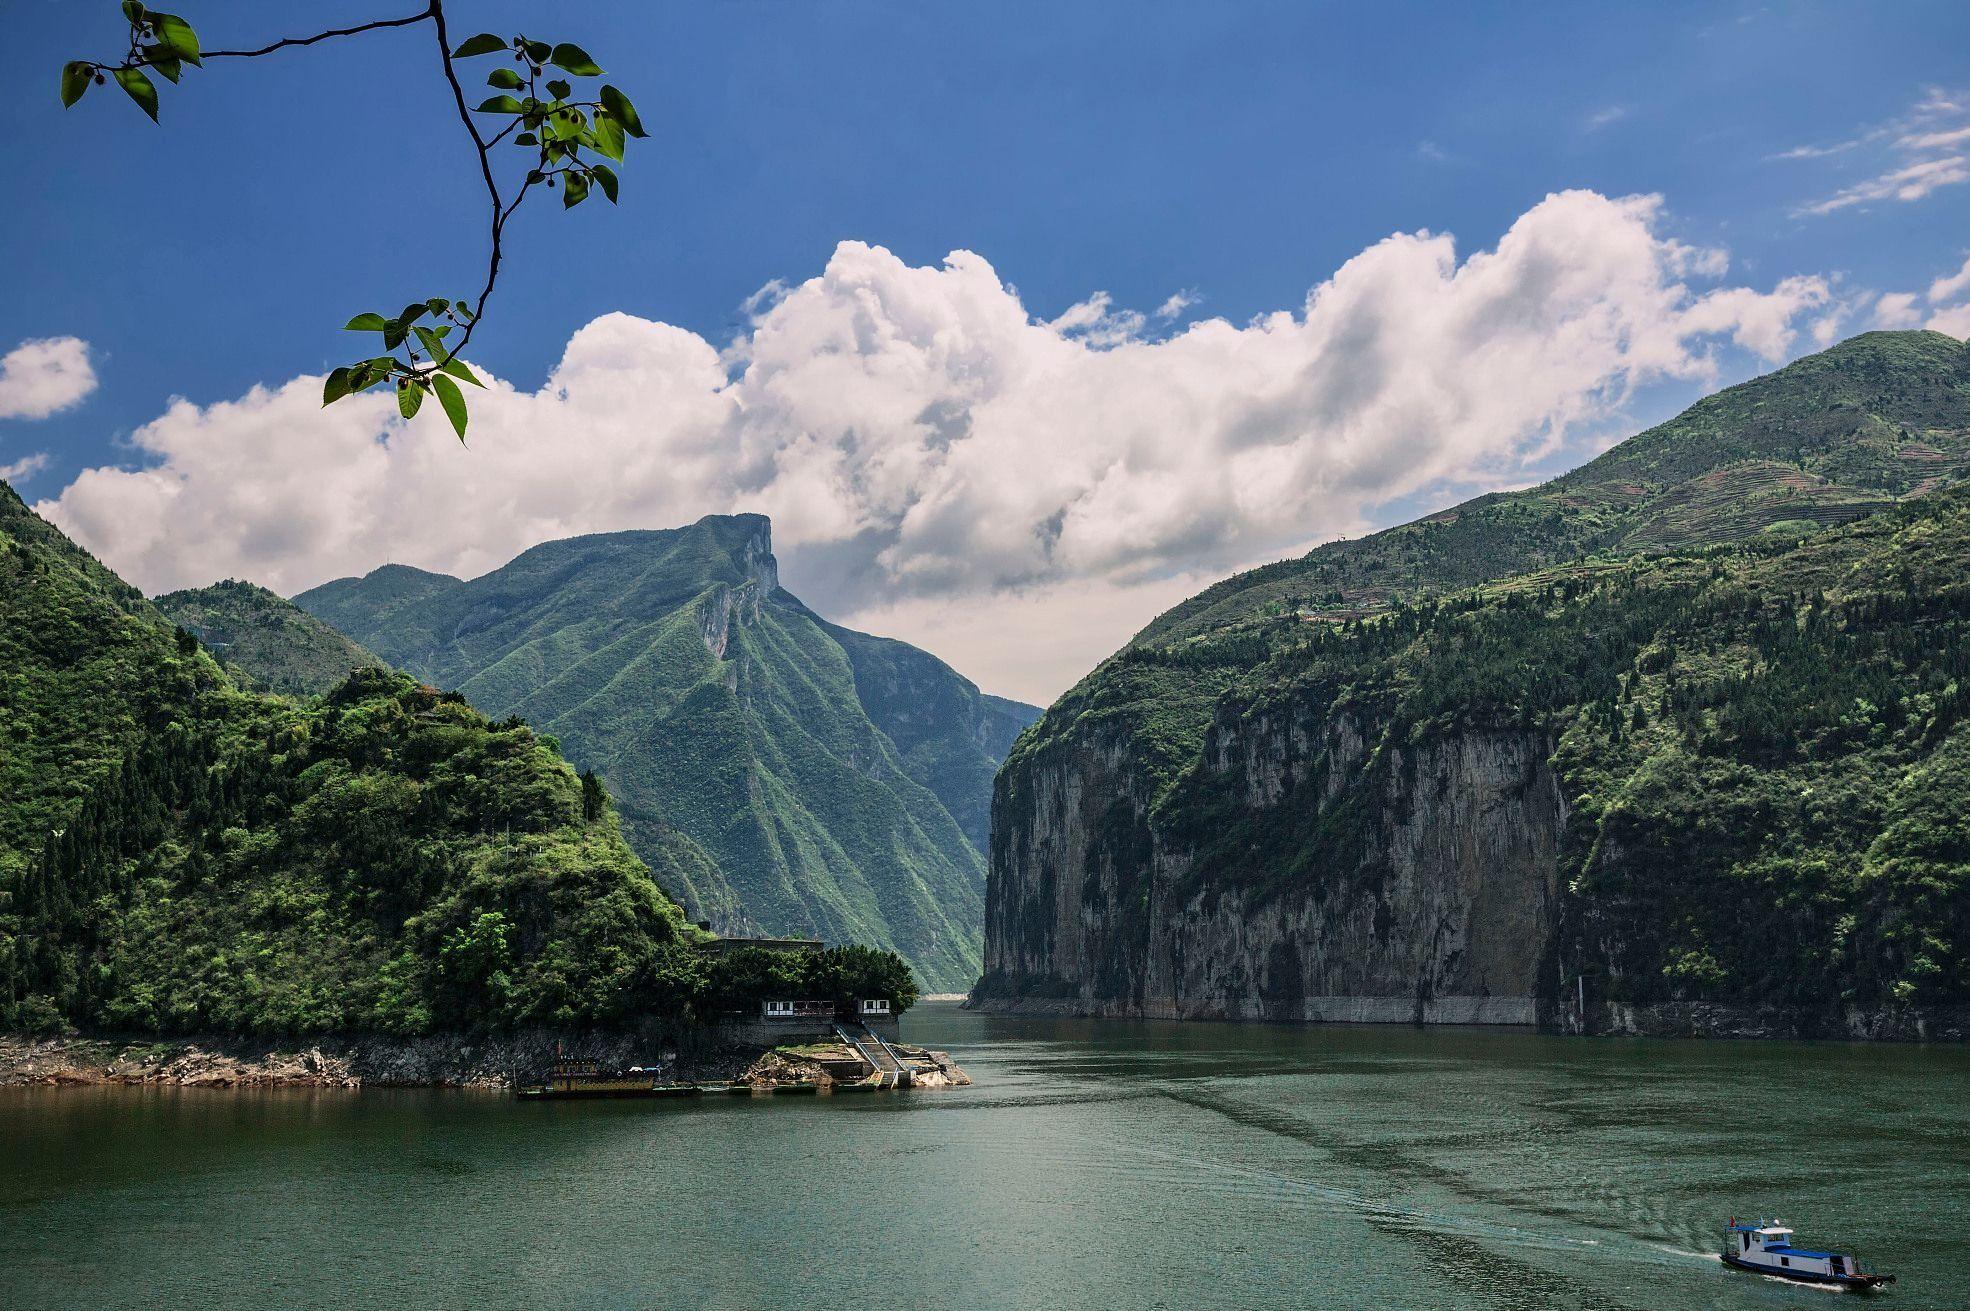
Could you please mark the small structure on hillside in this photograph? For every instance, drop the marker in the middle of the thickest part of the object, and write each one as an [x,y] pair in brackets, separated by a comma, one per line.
[719,946]
[789,1009]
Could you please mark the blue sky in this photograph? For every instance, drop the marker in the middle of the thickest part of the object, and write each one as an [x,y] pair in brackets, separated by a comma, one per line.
[1237,152]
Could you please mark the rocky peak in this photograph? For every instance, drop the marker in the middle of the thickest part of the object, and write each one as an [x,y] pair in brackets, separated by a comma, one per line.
[755,556]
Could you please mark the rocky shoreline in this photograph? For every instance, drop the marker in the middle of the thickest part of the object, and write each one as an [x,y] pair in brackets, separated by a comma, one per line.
[354,1061]
[1717,1020]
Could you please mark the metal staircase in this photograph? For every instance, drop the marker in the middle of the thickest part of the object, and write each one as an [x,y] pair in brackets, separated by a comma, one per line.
[889,1068]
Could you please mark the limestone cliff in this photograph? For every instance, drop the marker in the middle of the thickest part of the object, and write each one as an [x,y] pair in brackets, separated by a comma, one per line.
[1443,916]
[1637,750]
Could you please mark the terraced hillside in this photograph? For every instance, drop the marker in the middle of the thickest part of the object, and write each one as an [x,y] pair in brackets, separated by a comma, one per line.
[836,784]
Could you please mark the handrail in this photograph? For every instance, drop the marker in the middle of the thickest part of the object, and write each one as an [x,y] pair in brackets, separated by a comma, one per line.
[883,1060]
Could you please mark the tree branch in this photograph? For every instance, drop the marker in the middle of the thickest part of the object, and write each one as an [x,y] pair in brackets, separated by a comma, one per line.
[437,13]
[285,42]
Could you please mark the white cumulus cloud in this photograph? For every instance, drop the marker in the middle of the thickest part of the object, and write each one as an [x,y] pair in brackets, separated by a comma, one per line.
[1016,494]
[43,375]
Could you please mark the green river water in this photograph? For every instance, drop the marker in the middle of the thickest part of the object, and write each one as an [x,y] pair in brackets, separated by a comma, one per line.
[1099,1164]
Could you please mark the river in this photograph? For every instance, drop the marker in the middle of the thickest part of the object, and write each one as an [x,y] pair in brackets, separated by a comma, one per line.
[1102,1164]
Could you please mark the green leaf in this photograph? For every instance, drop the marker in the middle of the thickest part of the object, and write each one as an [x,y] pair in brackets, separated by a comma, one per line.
[625,113]
[502,105]
[409,397]
[433,342]
[505,79]
[453,400]
[437,304]
[608,136]
[605,177]
[558,89]
[414,311]
[394,334]
[574,190]
[133,11]
[336,385]
[483,44]
[75,80]
[537,51]
[365,323]
[163,61]
[462,309]
[456,368]
[526,139]
[376,371]
[574,59]
[176,35]
[139,88]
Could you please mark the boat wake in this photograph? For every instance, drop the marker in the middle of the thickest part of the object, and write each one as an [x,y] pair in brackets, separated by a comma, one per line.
[1389,1213]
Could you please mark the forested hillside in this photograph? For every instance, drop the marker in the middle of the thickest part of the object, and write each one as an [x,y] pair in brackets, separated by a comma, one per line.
[1824,440]
[838,784]
[177,853]
[1658,732]
[266,640]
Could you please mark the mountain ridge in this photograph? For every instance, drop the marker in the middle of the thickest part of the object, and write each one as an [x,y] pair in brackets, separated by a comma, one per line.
[268,640]
[1588,508]
[178,853]
[1302,763]
[822,770]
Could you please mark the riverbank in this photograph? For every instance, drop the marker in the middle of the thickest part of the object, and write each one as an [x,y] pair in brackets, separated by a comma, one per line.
[1710,1020]
[437,1061]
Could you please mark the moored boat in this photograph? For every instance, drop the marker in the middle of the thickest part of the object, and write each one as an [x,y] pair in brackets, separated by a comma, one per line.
[583,1078]
[1765,1247]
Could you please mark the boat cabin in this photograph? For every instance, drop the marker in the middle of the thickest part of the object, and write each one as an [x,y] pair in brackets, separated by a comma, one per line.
[1768,1246]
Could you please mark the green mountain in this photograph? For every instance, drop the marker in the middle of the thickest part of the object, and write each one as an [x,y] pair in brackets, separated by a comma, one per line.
[1661,734]
[1822,441]
[838,783]
[267,640]
[180,854]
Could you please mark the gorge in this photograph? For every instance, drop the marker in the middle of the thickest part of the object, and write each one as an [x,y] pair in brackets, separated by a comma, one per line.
[1663,744]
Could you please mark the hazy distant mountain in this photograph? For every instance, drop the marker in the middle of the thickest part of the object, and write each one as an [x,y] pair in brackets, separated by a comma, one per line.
[841,782]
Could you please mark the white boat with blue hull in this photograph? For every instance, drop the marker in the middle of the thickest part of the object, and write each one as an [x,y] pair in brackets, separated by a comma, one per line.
[1765,1247]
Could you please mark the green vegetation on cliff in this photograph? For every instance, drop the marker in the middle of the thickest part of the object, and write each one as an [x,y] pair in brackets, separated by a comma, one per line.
[1753,742]
[177,853]
[1753,712]
[1824,440]
[836,785]
[266,640]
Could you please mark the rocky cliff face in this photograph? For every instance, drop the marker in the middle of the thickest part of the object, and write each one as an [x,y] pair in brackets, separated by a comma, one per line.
[1443,914]
[1673,743]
